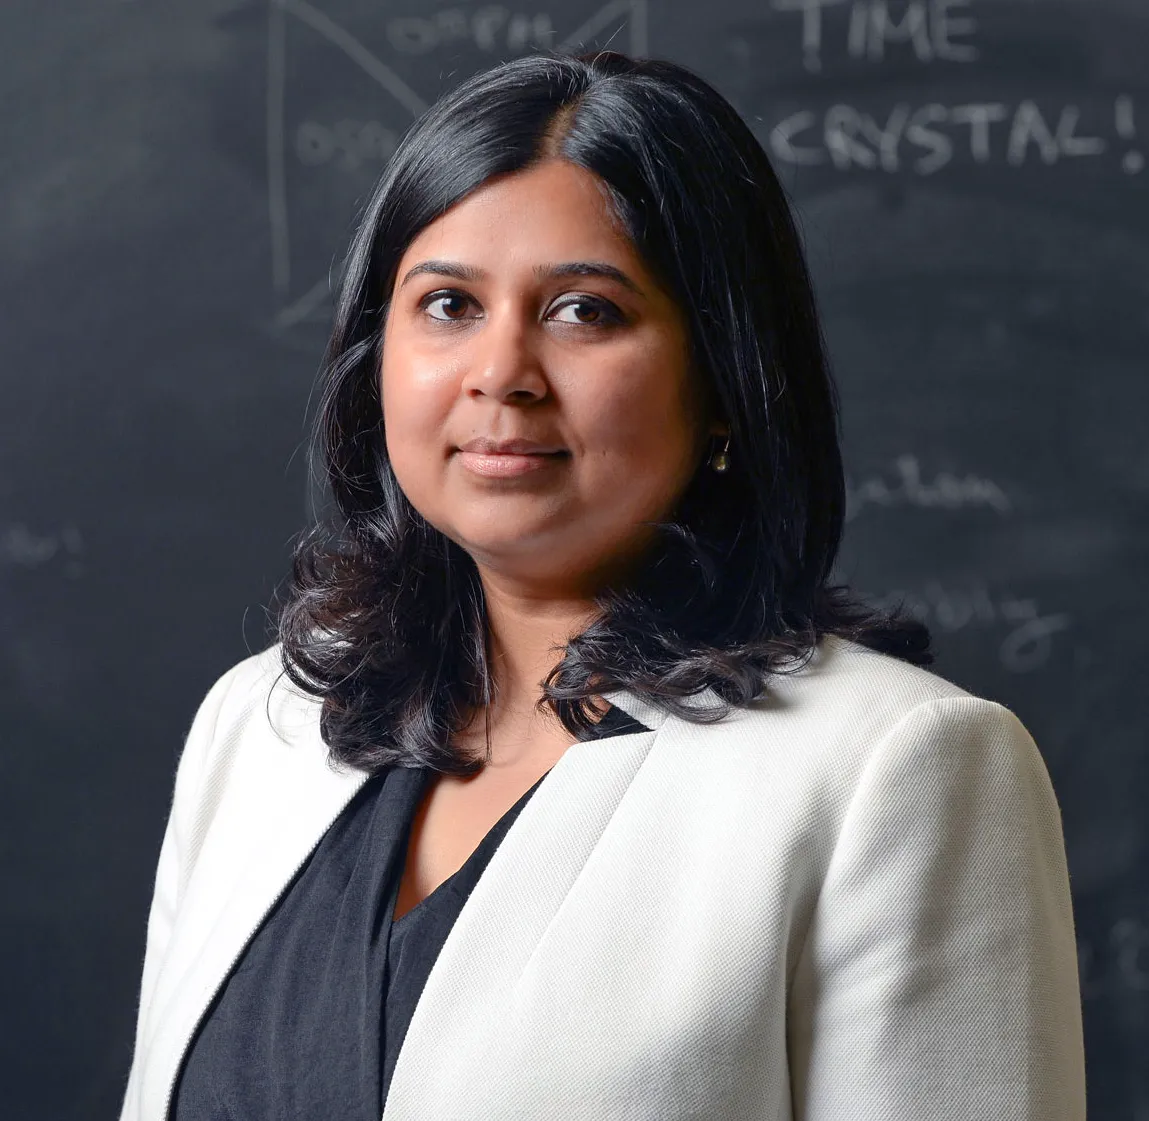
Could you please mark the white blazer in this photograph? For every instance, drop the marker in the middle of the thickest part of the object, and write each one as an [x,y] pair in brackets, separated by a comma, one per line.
[847,903]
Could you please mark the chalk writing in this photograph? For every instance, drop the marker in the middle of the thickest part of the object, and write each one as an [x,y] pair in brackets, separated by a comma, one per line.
[932,29]
[491,28]
[348,144]
[1028,643]
[22,547]
[1119,960]
[924,139]
[1126,128]
[945,491]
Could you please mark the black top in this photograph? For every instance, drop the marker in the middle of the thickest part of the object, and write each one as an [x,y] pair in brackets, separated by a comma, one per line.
[310,1020]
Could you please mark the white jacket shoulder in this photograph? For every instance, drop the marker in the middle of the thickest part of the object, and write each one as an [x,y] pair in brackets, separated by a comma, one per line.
[251,705]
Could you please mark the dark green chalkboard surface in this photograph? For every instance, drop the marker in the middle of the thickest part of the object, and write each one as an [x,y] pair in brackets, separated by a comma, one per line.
[177,186]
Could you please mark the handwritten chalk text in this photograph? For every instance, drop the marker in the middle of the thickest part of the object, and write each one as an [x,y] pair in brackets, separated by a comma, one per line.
[932,29]
[945,491]
[1119,961]
[22,547]
[491,28]
[347,144]
[1028,643]
[925,139]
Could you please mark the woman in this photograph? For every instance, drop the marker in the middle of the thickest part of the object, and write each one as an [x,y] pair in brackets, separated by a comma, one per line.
[582,441]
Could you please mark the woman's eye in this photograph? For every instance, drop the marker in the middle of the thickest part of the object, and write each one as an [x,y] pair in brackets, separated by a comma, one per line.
[603,313]
[444,297]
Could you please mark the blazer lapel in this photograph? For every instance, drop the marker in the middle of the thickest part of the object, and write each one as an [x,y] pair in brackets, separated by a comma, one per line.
[278,802]
[507,915]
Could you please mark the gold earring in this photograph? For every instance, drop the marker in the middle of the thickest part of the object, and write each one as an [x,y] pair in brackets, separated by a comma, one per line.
[721,460]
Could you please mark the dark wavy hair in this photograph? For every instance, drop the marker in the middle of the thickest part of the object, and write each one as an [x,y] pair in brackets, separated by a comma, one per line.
[384,617]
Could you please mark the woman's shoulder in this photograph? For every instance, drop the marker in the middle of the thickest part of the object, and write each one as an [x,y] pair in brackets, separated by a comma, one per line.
[257,688]
[849,674]
[249,714]
[828,718]
[845,683]
[253,694]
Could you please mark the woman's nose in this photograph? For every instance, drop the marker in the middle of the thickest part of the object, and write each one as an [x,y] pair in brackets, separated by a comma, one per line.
[503,360]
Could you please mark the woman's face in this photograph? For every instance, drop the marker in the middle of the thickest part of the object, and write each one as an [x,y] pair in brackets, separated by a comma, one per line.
[524,313]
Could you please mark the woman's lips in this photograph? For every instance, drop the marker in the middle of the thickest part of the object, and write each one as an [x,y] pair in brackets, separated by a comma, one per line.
[508,465]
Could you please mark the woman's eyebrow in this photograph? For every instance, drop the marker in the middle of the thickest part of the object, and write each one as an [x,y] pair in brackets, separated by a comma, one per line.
[472,274]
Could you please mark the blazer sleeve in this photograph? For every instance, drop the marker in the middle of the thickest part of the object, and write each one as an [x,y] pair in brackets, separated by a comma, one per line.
[939,975]
[181,838]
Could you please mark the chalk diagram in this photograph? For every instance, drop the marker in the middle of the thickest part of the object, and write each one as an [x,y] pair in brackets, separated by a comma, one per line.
[622,21]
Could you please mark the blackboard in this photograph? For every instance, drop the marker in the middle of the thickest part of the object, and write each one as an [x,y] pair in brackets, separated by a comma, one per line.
[179,183]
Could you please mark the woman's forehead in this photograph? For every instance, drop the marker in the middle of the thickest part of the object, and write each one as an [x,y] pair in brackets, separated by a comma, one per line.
[555,209]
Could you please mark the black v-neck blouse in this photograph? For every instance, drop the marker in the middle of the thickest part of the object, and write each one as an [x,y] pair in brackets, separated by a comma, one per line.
[308,1024]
